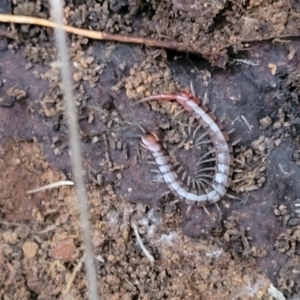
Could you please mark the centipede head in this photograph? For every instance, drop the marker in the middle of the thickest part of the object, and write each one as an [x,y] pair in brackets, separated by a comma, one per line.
[149,139]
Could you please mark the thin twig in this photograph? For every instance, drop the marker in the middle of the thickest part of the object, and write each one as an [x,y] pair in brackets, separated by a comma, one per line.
[50,186]
[141,244]
[73,275]
[97,35]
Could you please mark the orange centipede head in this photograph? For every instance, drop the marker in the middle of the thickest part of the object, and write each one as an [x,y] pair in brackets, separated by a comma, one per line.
[185,96]
[149,138]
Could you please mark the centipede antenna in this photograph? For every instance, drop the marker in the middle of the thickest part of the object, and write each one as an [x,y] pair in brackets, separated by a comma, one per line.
[142,128]
[203,156]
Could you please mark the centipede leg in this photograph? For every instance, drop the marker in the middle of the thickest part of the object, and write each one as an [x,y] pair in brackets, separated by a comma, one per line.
[163,195]
[219,210]
[205,169]
[180,169]
[192,89]
[205,161]
[183,175]
[200,161]
[214,109]
[190,129]
[208,213]
[201,180]
[205,99]
[188,210]
[235,142]
[157,178]
[193,184]
[203,143]
[196,130]
[204,175]
[188,181]
[201,137]
[231,131]
[233,197]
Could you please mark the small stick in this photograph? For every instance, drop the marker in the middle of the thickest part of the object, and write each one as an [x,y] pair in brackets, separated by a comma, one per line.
[50,186]
[140,242]
[97,35]
[73,275]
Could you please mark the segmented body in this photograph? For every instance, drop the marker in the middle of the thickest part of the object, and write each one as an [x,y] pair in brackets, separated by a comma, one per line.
[219,138]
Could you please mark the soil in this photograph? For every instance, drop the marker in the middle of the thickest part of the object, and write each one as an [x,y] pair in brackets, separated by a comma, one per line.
[247,247]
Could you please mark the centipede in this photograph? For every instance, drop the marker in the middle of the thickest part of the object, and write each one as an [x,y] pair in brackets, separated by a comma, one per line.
[222,149]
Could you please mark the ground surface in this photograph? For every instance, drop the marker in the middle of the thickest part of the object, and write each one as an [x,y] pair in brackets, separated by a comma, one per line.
[236,255]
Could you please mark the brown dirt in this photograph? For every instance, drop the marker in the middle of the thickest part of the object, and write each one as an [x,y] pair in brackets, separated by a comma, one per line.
[255,241]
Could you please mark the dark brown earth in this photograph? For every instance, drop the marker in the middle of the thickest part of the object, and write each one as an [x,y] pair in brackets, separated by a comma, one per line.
[239,254]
